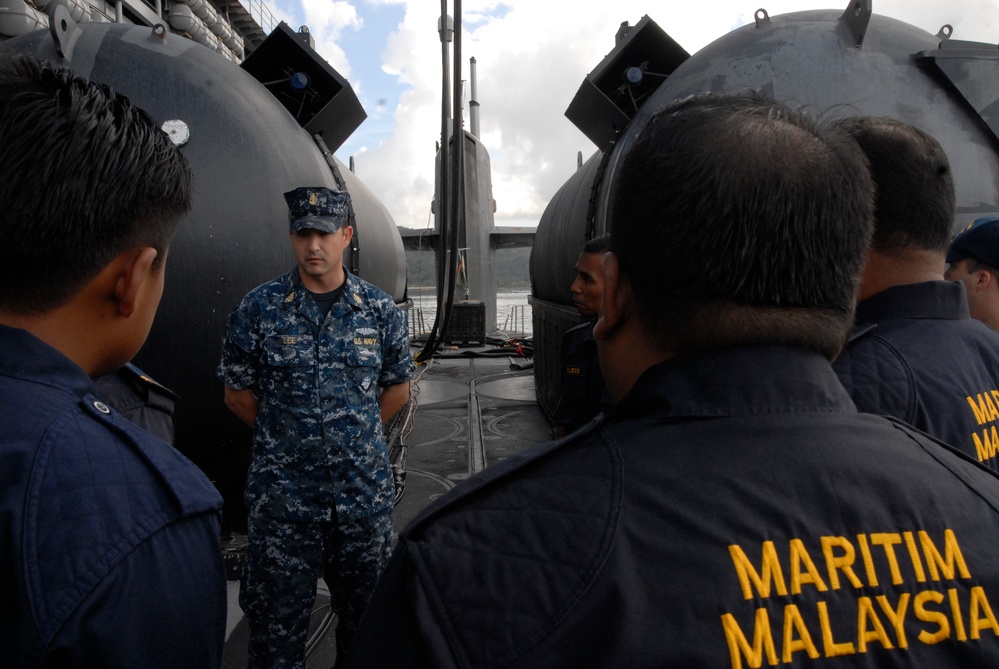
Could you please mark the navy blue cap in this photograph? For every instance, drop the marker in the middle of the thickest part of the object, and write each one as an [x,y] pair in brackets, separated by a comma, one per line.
[980,241]
[317,208]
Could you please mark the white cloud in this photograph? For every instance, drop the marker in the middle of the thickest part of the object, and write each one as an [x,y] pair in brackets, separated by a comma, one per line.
[326,20]
[532,55]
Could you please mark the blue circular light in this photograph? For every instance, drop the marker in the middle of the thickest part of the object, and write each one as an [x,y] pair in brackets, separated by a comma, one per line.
[633,75]
[300,81]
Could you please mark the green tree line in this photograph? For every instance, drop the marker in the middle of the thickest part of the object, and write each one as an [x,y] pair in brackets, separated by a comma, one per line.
[512,267]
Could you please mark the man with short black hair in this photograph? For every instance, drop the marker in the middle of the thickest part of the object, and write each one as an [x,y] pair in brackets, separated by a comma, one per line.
[582,393]
[733,509]
[109,538]
[973,259]
[916,354]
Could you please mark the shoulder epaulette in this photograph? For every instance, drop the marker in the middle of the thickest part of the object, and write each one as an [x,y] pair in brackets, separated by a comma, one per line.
[139,377]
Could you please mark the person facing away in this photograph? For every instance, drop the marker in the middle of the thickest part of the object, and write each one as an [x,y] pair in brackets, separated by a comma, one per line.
[109,538]
[733,509]
[972,259]
[916,353]
[314,361]
[582,393]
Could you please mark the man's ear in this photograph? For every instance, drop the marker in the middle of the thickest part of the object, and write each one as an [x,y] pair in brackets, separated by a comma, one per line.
[348,233]
[135,269]
[984,279]
[616,301]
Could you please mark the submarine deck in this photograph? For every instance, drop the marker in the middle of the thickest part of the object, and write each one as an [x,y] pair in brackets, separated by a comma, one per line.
[469,408]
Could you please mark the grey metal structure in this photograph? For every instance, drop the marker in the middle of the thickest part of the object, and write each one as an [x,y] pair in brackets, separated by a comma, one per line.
[246,149]
[233,28]
[834,63]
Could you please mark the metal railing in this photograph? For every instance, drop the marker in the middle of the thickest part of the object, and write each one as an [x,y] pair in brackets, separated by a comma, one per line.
[417,323]
[261,12]
[515,323]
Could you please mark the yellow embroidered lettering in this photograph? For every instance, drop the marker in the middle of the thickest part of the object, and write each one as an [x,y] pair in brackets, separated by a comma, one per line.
[955,610]
[800,558]
[738,646]
[954,557]
[843,563]
[770,571]
[983,445]
[793,623]
[888,541]
[876,632]
[884,620]
[981,413]
[917,563]
[979,608]
[865,554]
[896,616]
[930,616]
[992,412]
[829,645]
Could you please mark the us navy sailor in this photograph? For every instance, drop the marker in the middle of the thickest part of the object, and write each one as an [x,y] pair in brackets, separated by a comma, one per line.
[314,361]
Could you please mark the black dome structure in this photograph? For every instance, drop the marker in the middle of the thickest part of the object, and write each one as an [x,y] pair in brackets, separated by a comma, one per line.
[246,149]
[832,63]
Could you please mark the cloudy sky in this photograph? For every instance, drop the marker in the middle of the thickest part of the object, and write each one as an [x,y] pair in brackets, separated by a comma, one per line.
[531,56]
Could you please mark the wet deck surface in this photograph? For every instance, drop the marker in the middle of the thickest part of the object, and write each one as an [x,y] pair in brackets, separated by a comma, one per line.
[471,410]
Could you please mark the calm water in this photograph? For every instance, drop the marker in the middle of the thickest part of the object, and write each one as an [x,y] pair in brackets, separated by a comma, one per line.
[513,313]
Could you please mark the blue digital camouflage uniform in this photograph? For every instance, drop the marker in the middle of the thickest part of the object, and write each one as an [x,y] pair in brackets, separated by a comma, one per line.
[320,477]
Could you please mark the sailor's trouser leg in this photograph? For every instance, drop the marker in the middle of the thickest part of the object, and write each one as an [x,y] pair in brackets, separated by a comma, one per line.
[278,589]
[356,553]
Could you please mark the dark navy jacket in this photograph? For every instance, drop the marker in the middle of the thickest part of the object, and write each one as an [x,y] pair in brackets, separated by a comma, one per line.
[917,355]
[140,399]
[582,392]
[109,538]
[732,510]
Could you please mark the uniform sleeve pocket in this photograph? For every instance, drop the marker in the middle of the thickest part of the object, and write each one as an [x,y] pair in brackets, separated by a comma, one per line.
[290,351]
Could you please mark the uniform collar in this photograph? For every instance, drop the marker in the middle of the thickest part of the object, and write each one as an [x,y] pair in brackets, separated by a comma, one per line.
[737,381]
[944,300]
[25,356]
[296,293]
[586,330]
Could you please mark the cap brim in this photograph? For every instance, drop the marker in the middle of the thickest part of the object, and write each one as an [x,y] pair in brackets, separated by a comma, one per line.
[322,224]
[955,256]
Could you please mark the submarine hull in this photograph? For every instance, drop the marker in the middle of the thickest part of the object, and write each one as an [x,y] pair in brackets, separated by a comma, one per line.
[829,62]
[245,150]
